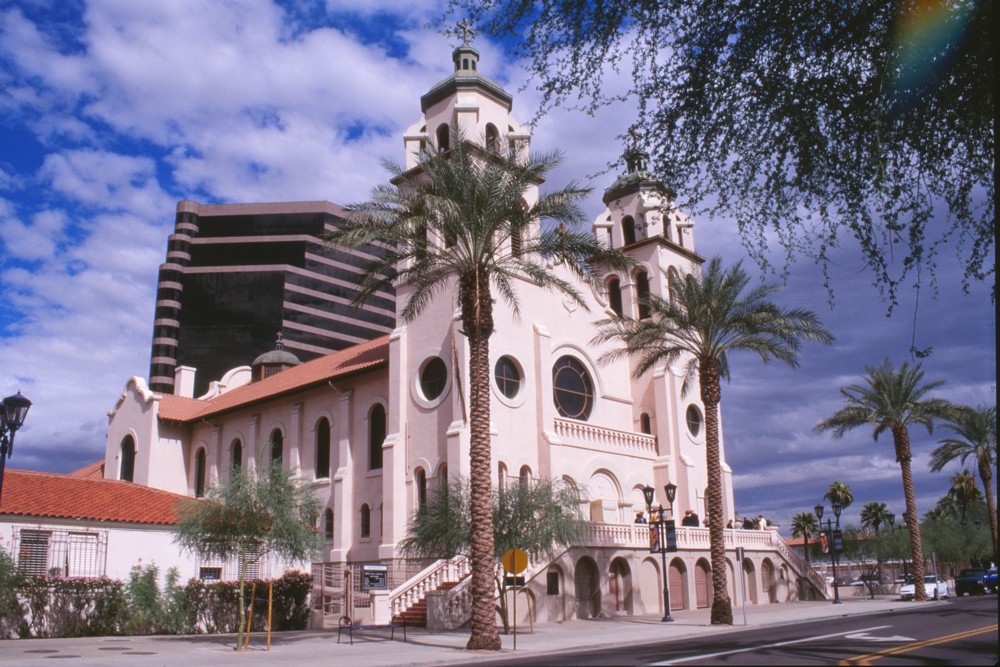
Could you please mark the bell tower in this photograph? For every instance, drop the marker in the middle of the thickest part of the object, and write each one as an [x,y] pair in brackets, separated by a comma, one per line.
[478,107]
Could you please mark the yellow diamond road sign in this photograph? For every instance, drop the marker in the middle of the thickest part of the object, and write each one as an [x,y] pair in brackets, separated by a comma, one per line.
[515,561]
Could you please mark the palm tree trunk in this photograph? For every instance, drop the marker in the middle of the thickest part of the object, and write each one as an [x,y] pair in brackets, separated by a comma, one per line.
[901,438]
[805,545]
[708,377]
[477,320]
[986,474]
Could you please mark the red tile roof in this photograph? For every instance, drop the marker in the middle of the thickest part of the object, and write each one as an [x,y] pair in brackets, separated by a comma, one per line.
[355,359]
[27,493]
[95,470]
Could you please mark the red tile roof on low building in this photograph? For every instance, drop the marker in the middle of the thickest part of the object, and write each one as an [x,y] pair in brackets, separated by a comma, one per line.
[356,359]
[27,493]
[94,471]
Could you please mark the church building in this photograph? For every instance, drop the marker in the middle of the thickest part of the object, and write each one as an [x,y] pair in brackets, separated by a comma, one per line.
[377,424]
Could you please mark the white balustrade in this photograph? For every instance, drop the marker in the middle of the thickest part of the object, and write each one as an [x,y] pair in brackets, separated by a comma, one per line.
[600,438]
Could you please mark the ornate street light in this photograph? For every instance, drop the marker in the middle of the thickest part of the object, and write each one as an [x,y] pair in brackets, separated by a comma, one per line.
[834,541]
[661,537]
[15,409]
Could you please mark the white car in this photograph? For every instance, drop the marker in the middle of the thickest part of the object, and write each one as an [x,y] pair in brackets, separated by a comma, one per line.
[935,589]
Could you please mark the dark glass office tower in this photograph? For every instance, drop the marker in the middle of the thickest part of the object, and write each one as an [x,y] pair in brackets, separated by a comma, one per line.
[237,274]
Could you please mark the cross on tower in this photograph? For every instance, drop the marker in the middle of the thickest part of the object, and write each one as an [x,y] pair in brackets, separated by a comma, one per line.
[467,32]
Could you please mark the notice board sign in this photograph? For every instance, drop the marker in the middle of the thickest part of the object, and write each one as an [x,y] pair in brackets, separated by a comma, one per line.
[374,577]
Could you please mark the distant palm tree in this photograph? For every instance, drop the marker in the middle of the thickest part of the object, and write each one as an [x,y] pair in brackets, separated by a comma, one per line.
[839,492]
[805,524]
[874,514]
[892,400]
[975,436]
[458,222]
[964,491]
[707,317]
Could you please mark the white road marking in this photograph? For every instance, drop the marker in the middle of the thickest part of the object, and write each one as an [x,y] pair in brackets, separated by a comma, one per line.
[868,638]
[708,656]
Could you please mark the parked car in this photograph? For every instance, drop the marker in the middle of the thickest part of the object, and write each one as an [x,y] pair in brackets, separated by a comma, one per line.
[991,579]
[935,589]
[971,581]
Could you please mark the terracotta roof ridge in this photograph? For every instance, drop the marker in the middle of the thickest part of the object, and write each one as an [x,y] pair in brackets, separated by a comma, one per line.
[142,488]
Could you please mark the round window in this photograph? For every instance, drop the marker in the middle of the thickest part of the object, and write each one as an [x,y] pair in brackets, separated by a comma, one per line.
[433,378]
[507,376]
[694,420]
[572,389]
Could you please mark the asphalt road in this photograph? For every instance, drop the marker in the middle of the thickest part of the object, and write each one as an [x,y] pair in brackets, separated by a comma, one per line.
[963,632]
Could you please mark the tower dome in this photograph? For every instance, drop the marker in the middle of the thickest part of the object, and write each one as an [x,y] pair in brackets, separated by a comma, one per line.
[274,361]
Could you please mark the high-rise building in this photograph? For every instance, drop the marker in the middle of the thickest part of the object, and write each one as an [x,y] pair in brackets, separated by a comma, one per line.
[237,274]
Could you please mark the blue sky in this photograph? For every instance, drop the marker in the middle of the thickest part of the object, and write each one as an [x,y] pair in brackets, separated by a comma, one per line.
[111,112]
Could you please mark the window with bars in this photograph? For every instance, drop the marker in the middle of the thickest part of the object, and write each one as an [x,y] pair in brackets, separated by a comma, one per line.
[33,552]
[70,553]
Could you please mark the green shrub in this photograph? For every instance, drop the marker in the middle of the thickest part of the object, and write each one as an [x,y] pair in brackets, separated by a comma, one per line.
[11,610]
[54,606]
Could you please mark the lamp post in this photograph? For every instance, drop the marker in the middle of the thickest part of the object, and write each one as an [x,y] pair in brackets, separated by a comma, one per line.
[658,539]
[834,541]
[15,409]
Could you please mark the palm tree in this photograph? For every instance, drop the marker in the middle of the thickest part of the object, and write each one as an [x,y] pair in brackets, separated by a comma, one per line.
[459,223]
[708,317]
[805,524]
[964,491]
[839,492]
[873,515]
[892,401]
[975,436]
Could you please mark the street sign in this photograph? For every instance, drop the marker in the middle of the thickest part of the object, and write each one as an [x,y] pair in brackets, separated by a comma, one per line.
[510,581]
[515,561]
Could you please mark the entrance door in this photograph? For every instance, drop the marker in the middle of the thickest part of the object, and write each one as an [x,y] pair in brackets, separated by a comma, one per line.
[588,589]
[677,600]
[702,584]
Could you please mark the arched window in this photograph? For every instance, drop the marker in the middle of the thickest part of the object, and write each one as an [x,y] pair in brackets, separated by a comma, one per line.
[628,230]
[516,242]
[277,447]
[501,476]
[572,388]
[420,480]
[328,525]
[199,473]
[642,294]
[376,436]
[644,424]
[443,138]
[366,521]
[492,138]
[323,448]
[615,296]
[524,476]
[126,465]
[673,280]
[236,455]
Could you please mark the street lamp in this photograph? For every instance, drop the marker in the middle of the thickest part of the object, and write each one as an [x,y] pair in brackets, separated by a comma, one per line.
[834,540]
[661,537]
[15,409]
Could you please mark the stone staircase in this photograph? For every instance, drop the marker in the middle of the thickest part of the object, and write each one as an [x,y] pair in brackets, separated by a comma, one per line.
[409,599]
[416,614]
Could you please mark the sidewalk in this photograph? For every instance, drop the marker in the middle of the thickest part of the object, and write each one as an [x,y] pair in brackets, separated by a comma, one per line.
[319,647]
